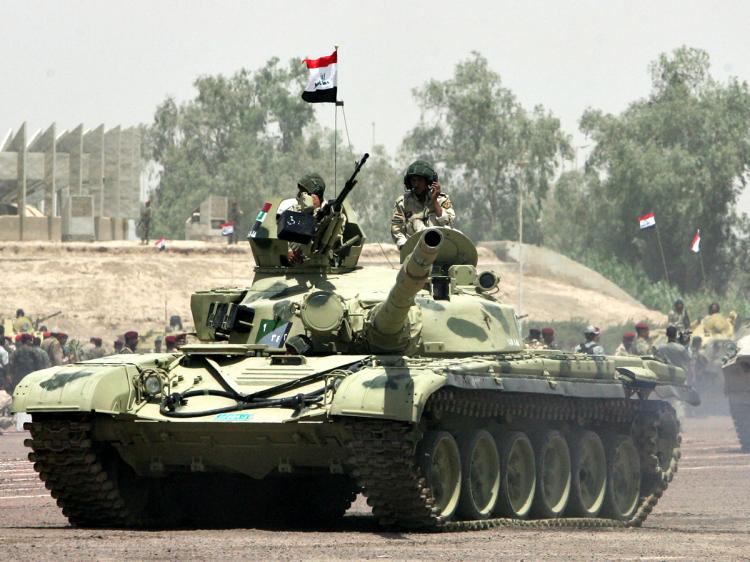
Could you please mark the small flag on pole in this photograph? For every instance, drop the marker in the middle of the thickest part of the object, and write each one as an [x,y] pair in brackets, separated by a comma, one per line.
[647,220]
[227,228]
[259,219]
[161,243]
[321,86]
[695,245]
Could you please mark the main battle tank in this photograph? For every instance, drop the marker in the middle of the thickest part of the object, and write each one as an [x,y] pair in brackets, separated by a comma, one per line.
[737,388]
[326,379]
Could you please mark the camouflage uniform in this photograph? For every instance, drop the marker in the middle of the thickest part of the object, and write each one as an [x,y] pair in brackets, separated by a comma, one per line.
[25,362]
[679,319]
[54,351]
[591,347]
[42,359]
[97,352]
[413,213]
[642,346]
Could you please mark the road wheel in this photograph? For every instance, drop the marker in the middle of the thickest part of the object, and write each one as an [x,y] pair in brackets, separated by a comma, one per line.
[740,409]
[588,474]
[552,474]
[517,475]
[440,461]
[623,478]
[480,470]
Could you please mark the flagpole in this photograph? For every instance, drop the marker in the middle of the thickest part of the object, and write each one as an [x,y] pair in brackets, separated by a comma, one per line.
[335,131]
[703,271]
[661,250]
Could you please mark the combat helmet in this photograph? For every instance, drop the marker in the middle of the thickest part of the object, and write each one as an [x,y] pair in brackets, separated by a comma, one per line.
[313,184]
[420,168]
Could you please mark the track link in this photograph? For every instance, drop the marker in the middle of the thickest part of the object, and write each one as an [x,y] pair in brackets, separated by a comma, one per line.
[383,455]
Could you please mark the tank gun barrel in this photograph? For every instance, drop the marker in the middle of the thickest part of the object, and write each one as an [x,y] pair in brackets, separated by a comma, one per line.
[389,318]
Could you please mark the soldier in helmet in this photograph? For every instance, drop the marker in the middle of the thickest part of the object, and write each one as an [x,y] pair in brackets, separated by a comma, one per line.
[310,191]
[591,346]
[422,205]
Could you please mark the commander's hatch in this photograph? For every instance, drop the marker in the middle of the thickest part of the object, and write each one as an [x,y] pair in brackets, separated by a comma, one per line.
[269,251]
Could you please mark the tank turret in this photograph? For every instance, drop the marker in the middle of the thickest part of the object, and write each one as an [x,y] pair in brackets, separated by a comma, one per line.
[389,330]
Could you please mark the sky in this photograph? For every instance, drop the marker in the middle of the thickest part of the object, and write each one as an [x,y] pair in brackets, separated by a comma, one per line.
[112,62]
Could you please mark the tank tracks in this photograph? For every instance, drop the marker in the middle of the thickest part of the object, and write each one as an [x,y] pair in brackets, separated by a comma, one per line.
[74,473]
[383,455]
[740,410]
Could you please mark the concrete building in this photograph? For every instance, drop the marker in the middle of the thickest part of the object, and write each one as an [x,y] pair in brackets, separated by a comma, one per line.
[74,185]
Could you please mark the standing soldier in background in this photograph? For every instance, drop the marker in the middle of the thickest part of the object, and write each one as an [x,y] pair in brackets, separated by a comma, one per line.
[131,342]
[674,352]
[144,224]
[533,340]
[422,205]
[54,348]
[678,316]
[234,216]
[591,346]
[548,335]
[42,359]
[97,350]
[642,345]
[22,323]
[626,347]
[716,324]
[25,360]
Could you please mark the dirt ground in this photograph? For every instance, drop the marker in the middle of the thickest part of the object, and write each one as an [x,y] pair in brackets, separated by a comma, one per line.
[705,514]
[107,288]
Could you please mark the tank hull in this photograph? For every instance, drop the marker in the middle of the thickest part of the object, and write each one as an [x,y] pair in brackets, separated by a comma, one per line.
[111,456]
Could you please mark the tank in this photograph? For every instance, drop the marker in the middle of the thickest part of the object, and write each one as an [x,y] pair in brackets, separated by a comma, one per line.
[737,387]
[325,379]
[710,351]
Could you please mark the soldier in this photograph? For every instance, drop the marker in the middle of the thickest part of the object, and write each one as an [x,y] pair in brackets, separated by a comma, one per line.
[42,359]
[144,224]
[118,345]
[674,352]
[22,323]
[548,335]
[157,344]
[25,360]
[51,344]
[310,191]
[131,341]
[533,340]
[591,345]
[171,342]
[716,324]
[626,347]
[97,350]
[642,345]
[422,205]
[234,216]
[678,316]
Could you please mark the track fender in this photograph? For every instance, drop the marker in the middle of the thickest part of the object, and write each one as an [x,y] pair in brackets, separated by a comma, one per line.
[82,387]
[394,393]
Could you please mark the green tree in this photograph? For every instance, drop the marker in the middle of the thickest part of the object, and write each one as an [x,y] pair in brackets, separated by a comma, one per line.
[488,147]
[682,153]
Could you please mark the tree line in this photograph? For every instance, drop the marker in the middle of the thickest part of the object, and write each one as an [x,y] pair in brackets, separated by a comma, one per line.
[682,152]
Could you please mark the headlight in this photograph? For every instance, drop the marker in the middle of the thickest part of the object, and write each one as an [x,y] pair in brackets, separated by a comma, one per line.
[152,384]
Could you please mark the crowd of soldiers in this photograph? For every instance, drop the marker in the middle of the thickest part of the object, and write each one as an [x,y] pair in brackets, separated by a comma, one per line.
[678,347]
[29,349]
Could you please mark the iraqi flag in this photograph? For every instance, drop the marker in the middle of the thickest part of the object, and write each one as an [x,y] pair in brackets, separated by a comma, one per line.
[161,243]
[695,245]
[646,221]
[321,86]
[227,228]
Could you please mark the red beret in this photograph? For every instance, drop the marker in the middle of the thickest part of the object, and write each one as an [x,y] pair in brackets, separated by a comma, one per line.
[641,326]
[170,339]
[27,337]
[46,334]
[19,338]
[548,331]
[628,336]
[131,335]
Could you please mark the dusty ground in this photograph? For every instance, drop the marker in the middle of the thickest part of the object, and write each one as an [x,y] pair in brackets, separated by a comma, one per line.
[107,288]
[705,514]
